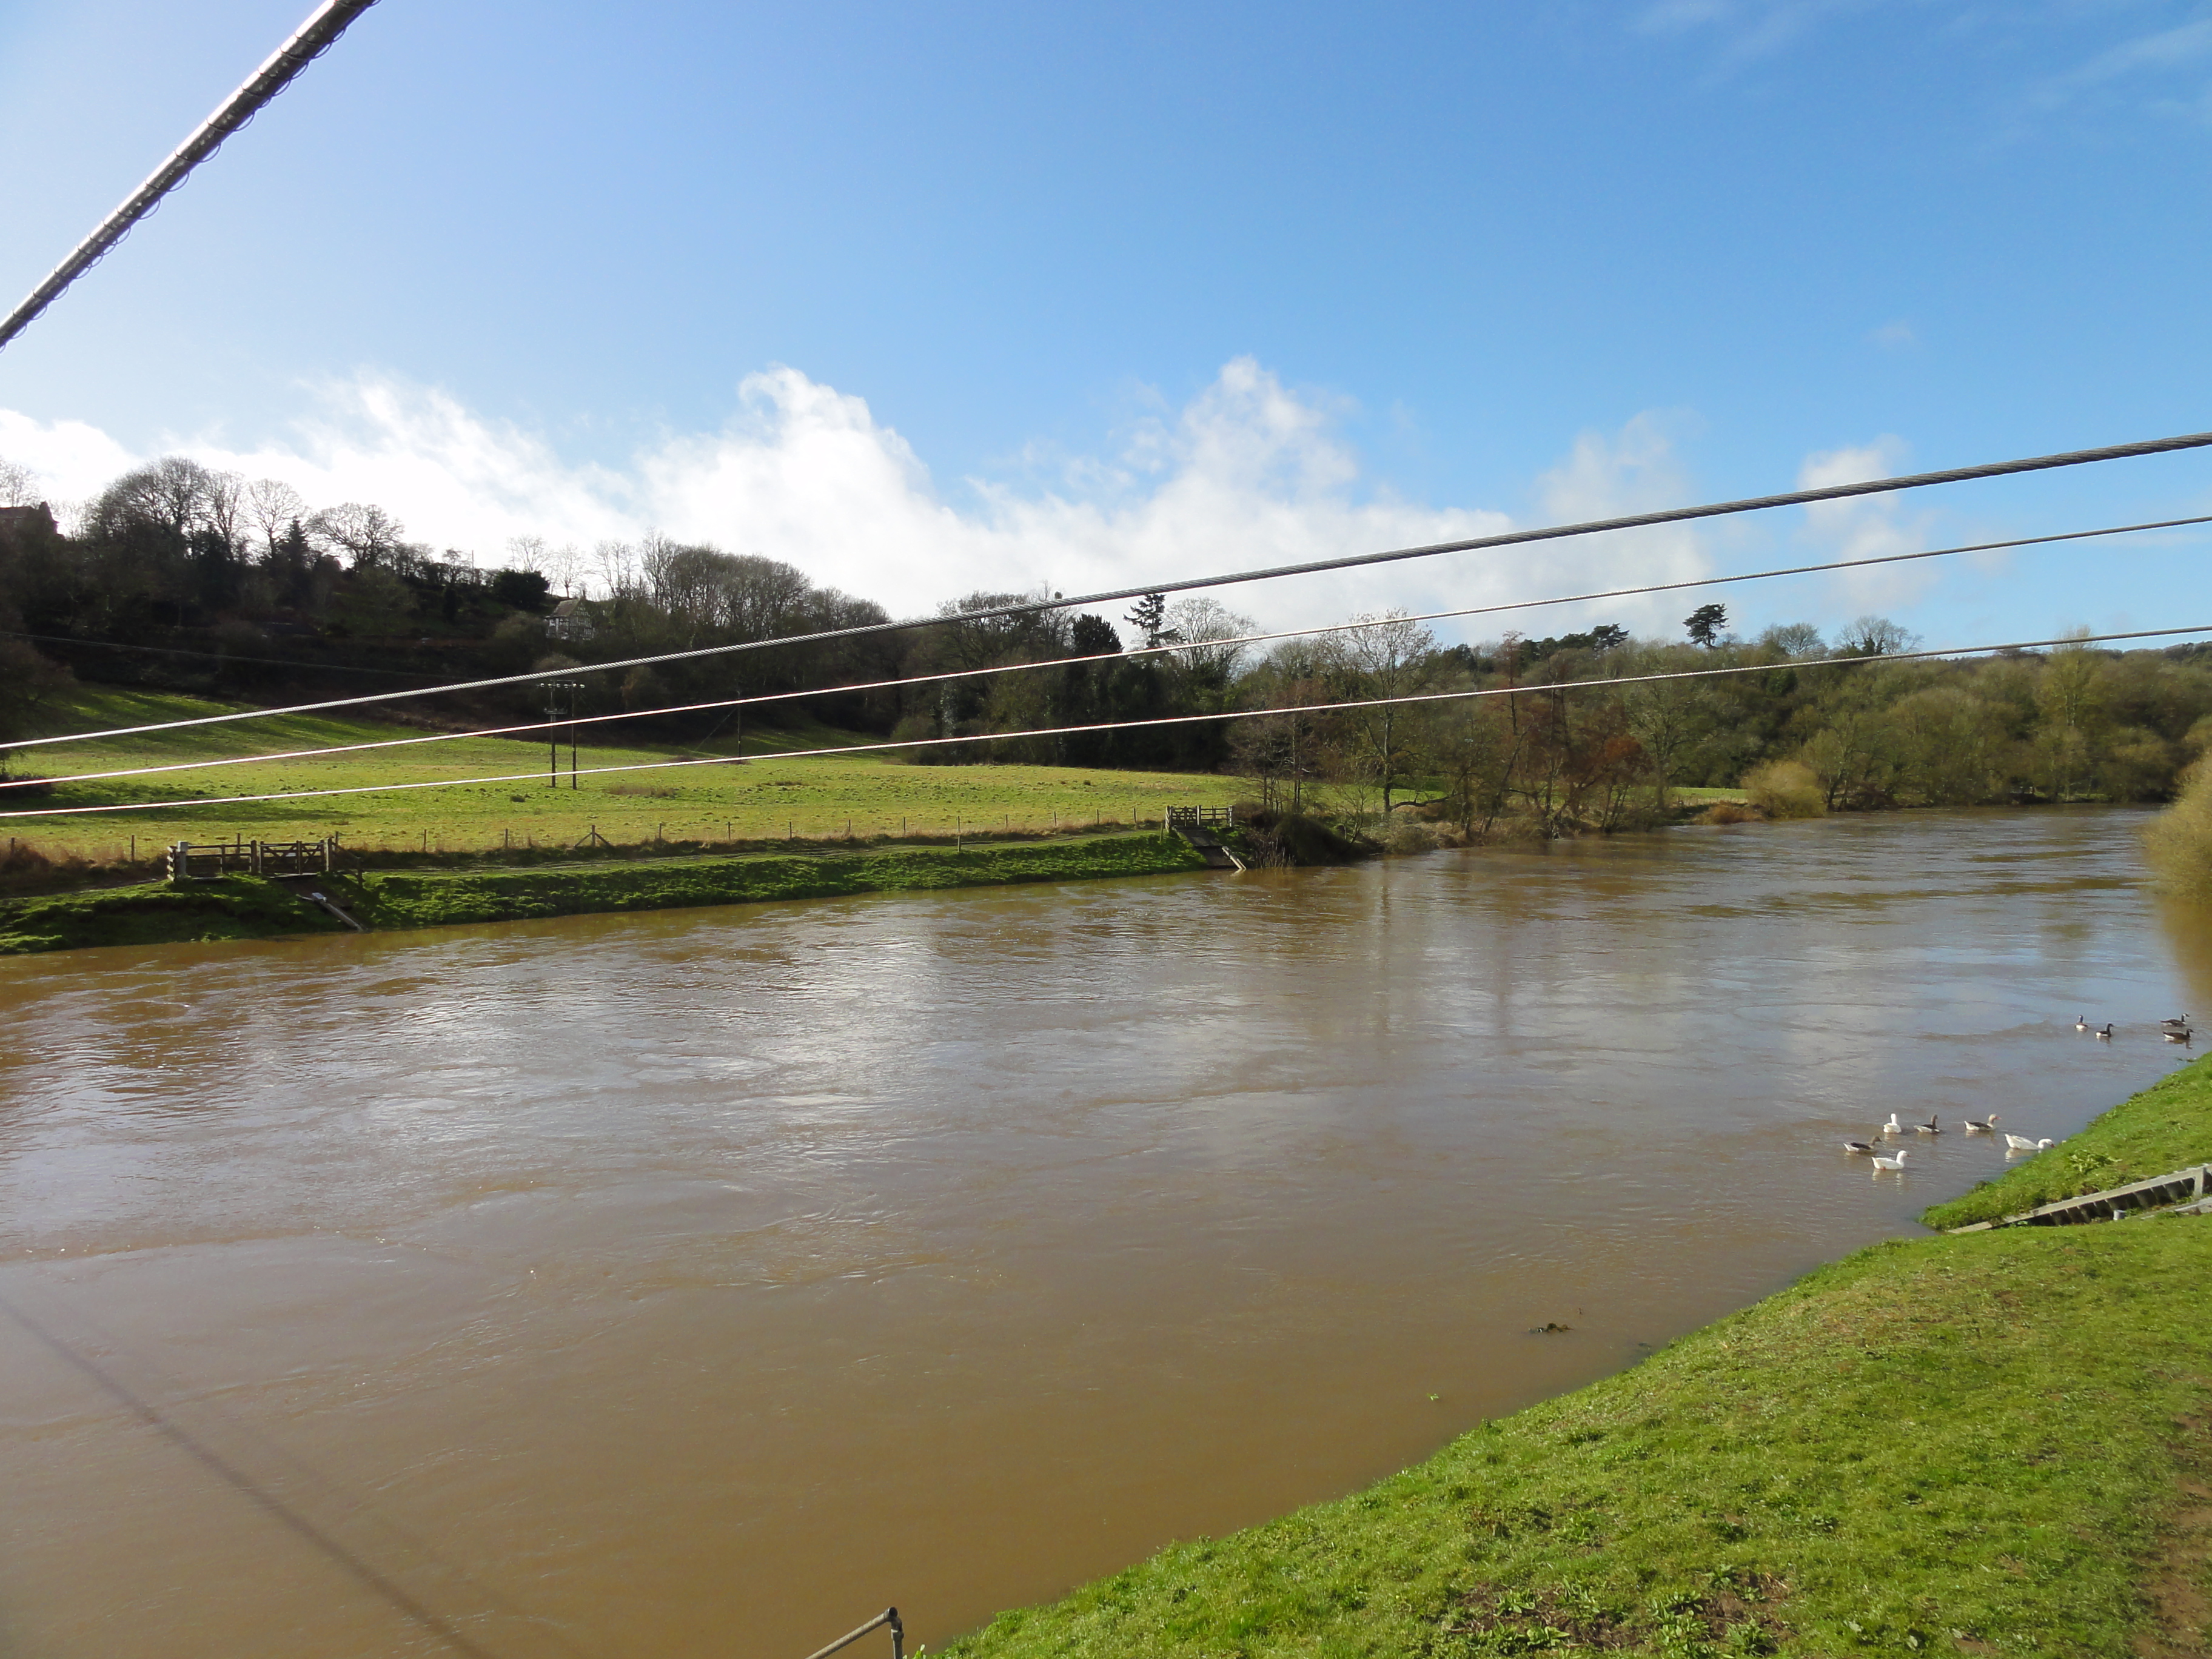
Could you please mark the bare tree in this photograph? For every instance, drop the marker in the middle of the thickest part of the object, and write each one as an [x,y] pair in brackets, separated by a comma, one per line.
[225,511]
[616,563]
[1873,636]
[19,485]
[273,507]
[1387,657]
[1202,622]
[173,493]
[369,537]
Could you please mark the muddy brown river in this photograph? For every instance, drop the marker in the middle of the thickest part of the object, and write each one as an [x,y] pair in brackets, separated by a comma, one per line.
[699,1283]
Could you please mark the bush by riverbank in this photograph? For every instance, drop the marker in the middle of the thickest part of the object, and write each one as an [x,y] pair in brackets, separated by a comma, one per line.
[245,907]
[1972,1444]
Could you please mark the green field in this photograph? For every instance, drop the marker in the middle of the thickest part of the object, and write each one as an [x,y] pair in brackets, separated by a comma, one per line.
[1989,1443]
[764,797]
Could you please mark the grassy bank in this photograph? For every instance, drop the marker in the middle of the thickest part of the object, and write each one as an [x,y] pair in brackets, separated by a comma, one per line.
[1973,1444]
[241,907]
[754,794]
[2166,1127]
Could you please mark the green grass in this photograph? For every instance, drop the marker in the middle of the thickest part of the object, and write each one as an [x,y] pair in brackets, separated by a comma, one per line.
[243,907]
[2166,1127]
[768,797]
[1957,1444]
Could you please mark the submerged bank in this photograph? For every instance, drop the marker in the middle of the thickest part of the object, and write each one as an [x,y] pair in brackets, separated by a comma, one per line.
[247,907]
[1990,1442]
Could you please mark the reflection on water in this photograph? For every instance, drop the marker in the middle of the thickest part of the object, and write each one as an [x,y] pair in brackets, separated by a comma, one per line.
[700,1282]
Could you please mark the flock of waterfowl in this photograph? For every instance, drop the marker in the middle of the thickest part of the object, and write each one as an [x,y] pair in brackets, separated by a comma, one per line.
[2174,1031]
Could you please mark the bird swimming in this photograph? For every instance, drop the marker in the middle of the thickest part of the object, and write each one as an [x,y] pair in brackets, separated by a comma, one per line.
[1891,1127]
[2107,1034]
[1928,1128]
[1981,1126]
[2080,1024]
[1865,1146]
[1897,1163]
[2021,1144]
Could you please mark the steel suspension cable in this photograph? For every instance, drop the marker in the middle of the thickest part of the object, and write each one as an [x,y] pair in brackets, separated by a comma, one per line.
[1507,538]
[309,41]
[1409,699]
[1354,626]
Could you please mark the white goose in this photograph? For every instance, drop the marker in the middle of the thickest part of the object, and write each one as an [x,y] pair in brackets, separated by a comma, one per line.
[2021,1144]
[1897,1163]
[1891,1127]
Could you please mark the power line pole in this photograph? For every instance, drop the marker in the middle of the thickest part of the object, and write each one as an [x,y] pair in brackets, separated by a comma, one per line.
[555,691]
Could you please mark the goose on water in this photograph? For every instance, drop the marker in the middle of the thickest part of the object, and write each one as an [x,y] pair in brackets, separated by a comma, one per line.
[1928,1128]
[2080,1024]
[2176,1034]
[2021,1144]
[1897,1163]
[1891,1127]
[2179,1023]
[1865,1146]
[2107,1034]
[1981,1126]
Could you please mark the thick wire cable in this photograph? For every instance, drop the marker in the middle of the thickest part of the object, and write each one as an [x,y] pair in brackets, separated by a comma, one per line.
[308,42]
[1508,538]
[949,675]
[1522,691]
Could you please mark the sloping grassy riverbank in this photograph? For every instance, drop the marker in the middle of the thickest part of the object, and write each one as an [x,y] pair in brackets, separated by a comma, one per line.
[1999,1442]
[240,907]
[2166,1127]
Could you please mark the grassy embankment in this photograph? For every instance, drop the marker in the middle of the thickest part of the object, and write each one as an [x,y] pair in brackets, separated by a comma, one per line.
[245,907]
[768,797]
[783,826]
[1996,1443]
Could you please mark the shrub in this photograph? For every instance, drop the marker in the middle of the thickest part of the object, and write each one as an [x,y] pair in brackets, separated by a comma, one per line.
[1409,836]
[1785,789]
[1730,812]
[2179,840]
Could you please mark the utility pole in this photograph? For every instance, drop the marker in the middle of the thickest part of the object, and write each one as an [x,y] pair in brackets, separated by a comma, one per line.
[555,692]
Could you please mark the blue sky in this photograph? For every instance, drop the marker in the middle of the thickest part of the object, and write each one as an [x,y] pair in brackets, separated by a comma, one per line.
[928,298]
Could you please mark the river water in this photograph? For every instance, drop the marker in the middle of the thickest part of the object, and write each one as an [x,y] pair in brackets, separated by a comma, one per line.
[698,1282]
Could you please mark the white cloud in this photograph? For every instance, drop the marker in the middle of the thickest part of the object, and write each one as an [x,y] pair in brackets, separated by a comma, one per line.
[1637,469]
[1748,29]
[1866,526]
[1248,474]
[2119,71]
[1893,336]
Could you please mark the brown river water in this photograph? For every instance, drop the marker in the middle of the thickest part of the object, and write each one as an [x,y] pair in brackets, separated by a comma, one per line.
[698,1282]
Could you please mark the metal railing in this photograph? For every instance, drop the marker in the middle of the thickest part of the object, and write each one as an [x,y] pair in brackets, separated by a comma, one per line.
[888,1616]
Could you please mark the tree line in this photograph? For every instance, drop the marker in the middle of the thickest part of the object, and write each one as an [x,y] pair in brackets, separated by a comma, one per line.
[176,575]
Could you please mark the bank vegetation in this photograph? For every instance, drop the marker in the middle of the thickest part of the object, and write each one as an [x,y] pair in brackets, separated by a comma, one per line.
[176,578]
